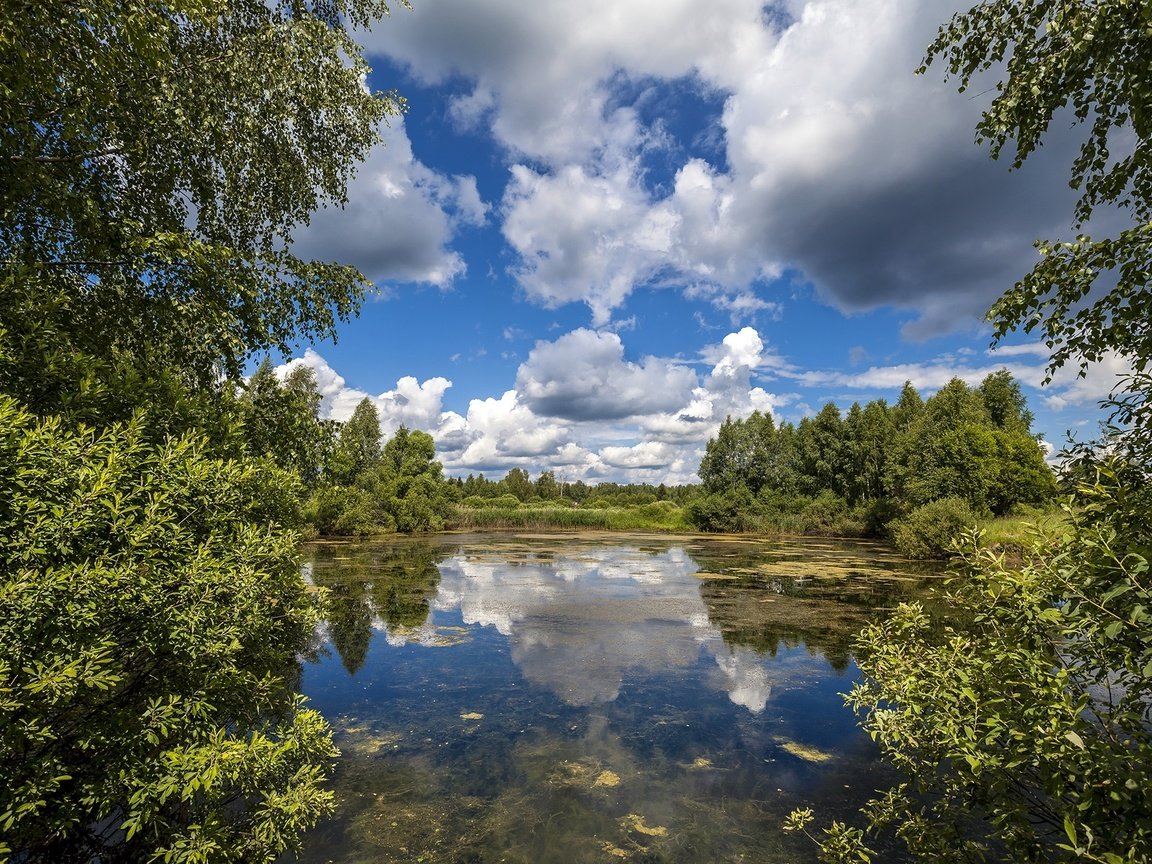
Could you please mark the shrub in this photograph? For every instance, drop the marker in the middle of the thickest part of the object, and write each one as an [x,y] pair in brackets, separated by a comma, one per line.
[929,530]
[151,607]
[727,512]
[344,511]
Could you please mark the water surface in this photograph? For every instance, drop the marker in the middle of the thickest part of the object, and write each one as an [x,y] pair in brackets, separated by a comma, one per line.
[602,698]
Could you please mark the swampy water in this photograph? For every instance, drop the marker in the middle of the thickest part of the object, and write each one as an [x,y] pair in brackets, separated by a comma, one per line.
[561,699]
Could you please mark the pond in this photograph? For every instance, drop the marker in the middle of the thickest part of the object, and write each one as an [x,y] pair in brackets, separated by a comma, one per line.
[602,698]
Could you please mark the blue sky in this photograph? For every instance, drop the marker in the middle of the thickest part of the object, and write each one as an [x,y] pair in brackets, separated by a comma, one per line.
[604,226]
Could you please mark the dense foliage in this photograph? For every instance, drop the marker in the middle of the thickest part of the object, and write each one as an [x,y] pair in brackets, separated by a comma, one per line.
[858,471]
[365,488]
[1025,735]
[150,614]
[156,159]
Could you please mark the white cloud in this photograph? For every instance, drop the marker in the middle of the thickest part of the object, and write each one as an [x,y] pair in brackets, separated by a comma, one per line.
[399,220]
[578,408]
[583,376]
[839,164]
[411,403]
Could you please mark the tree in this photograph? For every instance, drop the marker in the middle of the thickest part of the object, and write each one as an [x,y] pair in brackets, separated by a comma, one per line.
[156,159]
[517,482]
[357,450]
[281,420]
[408,486]
[150,613]
[1025,734]
[1004,401]
[546,486]
[820,448]
[955,448]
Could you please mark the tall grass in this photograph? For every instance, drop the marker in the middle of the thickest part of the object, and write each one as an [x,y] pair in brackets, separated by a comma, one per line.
[1018,532]
[661,516]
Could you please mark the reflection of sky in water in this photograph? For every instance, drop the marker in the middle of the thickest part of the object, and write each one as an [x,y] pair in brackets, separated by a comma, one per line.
[542,700]
[579,623]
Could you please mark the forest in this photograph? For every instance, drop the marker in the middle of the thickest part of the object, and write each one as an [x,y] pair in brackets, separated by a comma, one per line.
[915,473]
[880,471]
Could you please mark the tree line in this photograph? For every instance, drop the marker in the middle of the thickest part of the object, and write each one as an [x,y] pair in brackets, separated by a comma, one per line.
[970,445]
[352,482]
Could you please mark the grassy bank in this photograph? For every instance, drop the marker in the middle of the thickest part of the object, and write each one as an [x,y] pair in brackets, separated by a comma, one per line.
[1016,533]
[660,516]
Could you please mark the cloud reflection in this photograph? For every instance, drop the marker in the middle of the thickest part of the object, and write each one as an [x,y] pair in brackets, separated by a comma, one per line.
[581,623]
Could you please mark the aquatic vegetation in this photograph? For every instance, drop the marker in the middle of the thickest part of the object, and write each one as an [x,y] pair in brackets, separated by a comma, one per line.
[805,751]
[633,822]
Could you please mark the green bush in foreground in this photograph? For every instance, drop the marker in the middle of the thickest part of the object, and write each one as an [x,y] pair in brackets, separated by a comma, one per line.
[151,608]
[929,531]
[1023,734]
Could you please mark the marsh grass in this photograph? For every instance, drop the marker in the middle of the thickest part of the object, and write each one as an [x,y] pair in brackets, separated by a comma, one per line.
[659,516]
[1019,532]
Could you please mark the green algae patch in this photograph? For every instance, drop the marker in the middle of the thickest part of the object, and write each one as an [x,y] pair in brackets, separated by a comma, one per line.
[635,822]
[804,751]
[360,740]
[583,774]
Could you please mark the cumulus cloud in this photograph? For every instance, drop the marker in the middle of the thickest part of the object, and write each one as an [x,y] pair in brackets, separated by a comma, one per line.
[839,165]
[411,403]
[582,410]
[583,376]
[578,408]
[399,220]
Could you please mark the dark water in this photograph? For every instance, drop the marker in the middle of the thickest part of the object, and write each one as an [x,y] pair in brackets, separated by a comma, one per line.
[537,699]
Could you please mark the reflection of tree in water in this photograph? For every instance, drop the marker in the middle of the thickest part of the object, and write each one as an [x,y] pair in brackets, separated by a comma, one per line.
[350,621]
[822,611]
[394,583]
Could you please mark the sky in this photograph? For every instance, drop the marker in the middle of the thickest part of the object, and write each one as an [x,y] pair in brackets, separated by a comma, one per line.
[604,226]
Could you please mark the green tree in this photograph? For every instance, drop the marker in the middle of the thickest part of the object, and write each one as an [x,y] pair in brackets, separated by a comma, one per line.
[357,449]
[408,486]
[517,482]
[281,420]
[150,612]
[872,446]
[156,158]
[957,448]
[821,451]
[1005,403]
[907,408]
[546,486]
[1025,734]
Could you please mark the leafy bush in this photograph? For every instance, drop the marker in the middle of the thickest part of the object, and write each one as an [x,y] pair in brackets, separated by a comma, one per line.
[726,512]
[345,511]
[151,607]
[929,531]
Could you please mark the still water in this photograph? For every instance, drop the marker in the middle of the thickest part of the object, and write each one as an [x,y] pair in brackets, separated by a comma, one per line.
[569,699]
